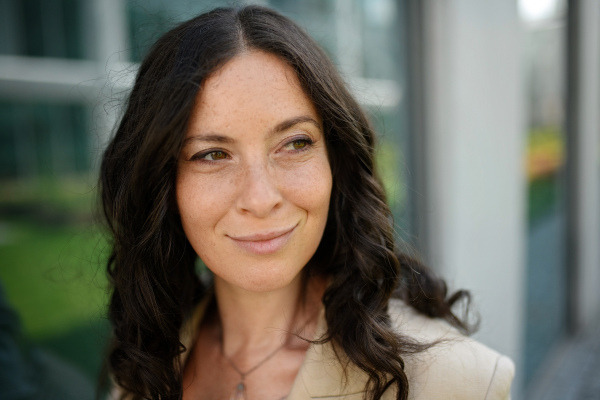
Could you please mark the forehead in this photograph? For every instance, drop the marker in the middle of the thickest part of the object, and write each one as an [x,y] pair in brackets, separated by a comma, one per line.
[254,87]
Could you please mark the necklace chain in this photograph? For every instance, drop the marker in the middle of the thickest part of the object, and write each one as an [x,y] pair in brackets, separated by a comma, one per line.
[240,390]
[254,368]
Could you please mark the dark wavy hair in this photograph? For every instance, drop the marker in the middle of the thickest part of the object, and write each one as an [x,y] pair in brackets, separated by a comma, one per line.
[152,265]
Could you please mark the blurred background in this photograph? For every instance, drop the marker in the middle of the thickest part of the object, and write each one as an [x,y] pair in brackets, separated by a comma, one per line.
[489,149]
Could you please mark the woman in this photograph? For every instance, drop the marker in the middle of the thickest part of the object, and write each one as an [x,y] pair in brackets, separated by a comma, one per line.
[241,146]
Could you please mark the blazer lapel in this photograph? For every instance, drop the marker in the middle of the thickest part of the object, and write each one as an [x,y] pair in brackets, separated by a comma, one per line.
[321,376]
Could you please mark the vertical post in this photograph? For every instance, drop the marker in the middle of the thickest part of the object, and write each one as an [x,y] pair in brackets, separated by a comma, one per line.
[474,151]
[109,39]
[348,31]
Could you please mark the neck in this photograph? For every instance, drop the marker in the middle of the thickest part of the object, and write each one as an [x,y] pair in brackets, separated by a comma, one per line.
[257,322]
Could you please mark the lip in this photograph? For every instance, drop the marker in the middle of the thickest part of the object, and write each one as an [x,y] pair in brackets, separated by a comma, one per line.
[264,243]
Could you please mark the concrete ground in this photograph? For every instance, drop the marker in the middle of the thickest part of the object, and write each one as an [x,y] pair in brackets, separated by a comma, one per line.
[575,373]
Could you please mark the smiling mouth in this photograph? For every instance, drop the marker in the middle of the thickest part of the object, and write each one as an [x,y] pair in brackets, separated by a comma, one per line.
[264,243]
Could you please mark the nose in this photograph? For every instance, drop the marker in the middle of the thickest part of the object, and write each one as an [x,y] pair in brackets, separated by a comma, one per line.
[259,194]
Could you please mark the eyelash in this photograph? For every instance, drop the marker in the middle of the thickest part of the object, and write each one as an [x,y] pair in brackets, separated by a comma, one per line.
[201,155]
[308,141]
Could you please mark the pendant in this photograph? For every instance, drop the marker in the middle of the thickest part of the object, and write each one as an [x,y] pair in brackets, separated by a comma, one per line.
[240,392]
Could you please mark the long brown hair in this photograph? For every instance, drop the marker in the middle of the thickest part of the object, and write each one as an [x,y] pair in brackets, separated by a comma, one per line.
[152,265]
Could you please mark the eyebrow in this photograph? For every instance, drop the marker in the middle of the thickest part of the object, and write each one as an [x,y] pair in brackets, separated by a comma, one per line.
[209,138]
[288,123]
[280,127]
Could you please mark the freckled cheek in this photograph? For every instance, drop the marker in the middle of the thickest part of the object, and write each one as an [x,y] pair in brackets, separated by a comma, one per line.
[310,186]
[203,201]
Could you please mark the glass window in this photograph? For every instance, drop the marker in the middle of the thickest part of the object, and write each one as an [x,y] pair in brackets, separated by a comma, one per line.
[42,139]
[42,28]
[546,292]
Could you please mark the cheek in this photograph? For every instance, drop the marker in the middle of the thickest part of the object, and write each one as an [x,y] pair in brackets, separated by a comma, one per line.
[202,202]
[311,189]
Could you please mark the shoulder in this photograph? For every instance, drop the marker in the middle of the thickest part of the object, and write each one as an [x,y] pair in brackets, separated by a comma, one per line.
[456,367]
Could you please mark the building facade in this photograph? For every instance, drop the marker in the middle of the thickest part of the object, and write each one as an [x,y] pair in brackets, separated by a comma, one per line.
[487,112]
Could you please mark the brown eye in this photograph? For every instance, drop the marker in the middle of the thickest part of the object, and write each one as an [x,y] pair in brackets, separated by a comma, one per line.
[214,155]
[299,144]
[217,155]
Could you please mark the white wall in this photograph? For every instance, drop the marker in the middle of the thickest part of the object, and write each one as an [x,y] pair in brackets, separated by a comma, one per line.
[475,126]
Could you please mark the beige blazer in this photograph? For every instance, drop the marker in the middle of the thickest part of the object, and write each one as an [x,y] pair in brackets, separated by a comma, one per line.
[459,368]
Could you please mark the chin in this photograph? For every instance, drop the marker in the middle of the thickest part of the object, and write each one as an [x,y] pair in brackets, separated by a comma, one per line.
[262,280]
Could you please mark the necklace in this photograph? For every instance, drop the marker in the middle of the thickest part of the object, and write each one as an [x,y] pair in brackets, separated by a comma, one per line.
[239,393]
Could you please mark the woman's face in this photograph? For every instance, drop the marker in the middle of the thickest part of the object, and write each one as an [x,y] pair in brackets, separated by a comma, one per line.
[253,177]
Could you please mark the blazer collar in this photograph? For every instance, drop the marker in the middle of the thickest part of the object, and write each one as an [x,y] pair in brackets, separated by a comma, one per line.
[321,374]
